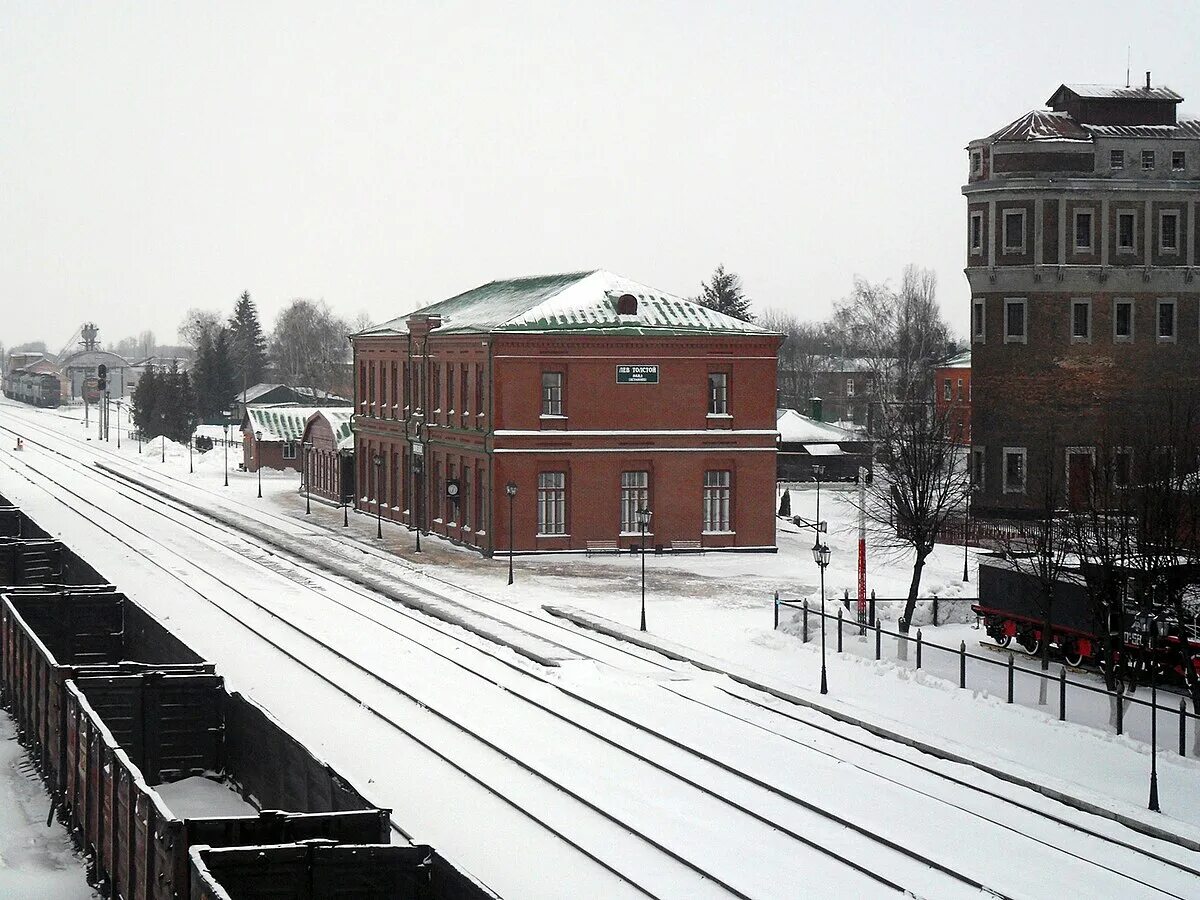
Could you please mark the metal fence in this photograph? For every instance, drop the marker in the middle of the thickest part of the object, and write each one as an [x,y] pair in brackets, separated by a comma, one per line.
[1063,685]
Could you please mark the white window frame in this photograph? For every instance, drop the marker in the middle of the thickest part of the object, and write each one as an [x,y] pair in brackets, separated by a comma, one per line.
[1131,247]
[1023,453]
[1182,157]
[849,387]
[1090,247]
[980,336]
[960,390]
[289,450]
[1164,214]
[1149,156]
[1079,339]
[718,501]
[947,389]
[976,231]
[552,395]
[1122,338]
[978,452]
[1024,336]
[1115,154]
[1158,306]
[1007,248]
[552,504]
[718,394]
[635,494]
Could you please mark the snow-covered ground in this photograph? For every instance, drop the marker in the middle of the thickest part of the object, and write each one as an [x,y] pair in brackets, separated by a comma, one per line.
[720,604]
[37,861]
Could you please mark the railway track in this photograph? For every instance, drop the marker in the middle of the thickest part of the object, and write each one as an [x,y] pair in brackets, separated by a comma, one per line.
[708,782]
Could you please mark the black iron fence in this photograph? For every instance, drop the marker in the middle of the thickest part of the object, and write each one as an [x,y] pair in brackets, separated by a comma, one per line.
[1120,699]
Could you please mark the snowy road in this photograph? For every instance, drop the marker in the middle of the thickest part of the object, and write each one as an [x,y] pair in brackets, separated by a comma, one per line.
[611,773]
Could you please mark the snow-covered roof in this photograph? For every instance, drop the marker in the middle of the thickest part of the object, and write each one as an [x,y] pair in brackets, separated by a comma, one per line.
[962,361]
[338,418]
[794,428]
[576,301]
[1184,128]
[278,423]
[89,359]
[254,392]
[1116,92]
[1042,125]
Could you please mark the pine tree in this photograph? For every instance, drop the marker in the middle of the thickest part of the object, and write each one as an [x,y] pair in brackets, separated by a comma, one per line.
[247,343]
[146,404]
[215,382]
[724,293]
[179,410]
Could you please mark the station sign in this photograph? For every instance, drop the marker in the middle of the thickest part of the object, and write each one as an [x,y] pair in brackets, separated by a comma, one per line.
[637,374]
[91,389]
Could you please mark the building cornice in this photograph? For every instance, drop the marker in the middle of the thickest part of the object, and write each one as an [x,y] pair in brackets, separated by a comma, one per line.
[1065,279]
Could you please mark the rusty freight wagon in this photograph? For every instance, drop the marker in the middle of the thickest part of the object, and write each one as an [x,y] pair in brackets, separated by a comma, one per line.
[15,524]
[321,870]
[47,638]
[158,763]
[38,560]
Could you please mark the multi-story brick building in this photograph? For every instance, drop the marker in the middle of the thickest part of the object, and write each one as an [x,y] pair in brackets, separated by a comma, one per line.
[1082,250]
[593,395]
[952,396]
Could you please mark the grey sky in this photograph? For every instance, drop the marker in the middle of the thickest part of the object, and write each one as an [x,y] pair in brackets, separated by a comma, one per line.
[159,156]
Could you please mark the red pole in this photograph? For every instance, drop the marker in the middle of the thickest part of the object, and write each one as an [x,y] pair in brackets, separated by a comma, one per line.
[862,548]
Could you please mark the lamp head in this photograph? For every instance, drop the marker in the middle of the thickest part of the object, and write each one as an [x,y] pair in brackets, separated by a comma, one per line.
[511,489]
[643,517]
[258,435]
[820,554]
[377,459]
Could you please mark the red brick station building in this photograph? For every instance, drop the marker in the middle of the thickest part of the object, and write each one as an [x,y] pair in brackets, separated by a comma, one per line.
[590,394]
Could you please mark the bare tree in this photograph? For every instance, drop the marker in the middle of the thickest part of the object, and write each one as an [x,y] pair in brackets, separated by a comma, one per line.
[198,325]
[309,345]
[1042,548]
[921,481]
[806,350]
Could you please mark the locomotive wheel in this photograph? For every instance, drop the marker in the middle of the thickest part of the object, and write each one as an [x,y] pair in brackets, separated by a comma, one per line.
[1030,644]
[1004,640]
[1073,657]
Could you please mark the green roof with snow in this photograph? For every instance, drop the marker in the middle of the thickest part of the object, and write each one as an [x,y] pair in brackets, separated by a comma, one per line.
[576,302]
[278,423]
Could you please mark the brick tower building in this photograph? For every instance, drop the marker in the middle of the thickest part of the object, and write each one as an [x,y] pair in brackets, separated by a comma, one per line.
[1082,248]
[591,395]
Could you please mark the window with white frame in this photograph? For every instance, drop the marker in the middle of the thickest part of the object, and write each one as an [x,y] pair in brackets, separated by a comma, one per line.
[1178,160]
[977,461]
[1083,231]
[718,393]
[1122,321]
[1014,470]
[1168,231]
[552,393]
[976,162]
[1126,231]
[1147,160]
[978,320]
[960,390]
[947,390]
[1014,320]
[849,387]
[717,489]
[289,449]
[552,503]
[976,232]
[635,495]
[1166,320]
[1116,159]
[1014,231]
[1081,321]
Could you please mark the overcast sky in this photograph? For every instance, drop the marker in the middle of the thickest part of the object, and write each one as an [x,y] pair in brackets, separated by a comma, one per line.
[158,156]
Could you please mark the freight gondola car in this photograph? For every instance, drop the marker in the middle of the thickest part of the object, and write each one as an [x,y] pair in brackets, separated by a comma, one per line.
[1012,609]
[35,388]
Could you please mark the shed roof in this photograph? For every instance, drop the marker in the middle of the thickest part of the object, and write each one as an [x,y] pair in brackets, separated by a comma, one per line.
[278,423]
[574,301]
[89,359]
[1115,92]
[962,361]
[339,421]
[794,428]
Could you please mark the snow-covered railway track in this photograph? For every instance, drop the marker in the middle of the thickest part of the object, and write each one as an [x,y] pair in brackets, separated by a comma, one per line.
[671,750]
[714,800]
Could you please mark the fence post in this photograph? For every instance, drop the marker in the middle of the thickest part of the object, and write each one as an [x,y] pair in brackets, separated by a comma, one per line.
[804,632]
[918,648]
[962,664]
[902,640]
[777,610]
[1062,693]
[1120,707]
[1010,678]
[877,643]
[839,629]
[1182,727]
[871,612]
[935,610]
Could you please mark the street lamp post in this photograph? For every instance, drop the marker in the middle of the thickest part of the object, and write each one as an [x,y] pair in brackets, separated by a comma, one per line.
[643,518]
[191,443]
[308,445]
[418,504]
[344,455]
[1153,664]
[258,461]
[225,427]
[818,471]
[118,402]
[377,460]
[163,443]
[966,535]
[821,557]
[511,490]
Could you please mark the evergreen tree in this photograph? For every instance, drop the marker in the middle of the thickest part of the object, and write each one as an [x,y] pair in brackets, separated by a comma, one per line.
[146,397]
[214,380]
[724,293]
[179,410]
[247,343]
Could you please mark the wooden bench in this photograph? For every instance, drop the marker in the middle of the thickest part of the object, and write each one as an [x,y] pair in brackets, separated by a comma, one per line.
[686,547]
[602,547]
